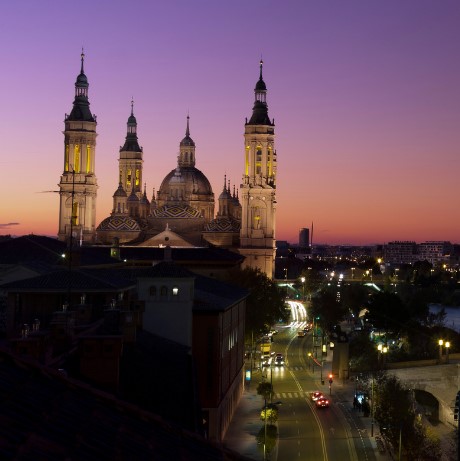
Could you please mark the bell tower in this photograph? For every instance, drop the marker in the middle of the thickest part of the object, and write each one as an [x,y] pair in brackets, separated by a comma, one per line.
[130,161]
[78,184]
[258,190]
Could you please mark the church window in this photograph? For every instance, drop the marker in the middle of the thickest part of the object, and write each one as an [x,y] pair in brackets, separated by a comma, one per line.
[175,291]
[119,208]
[88,159]
[186,156]
[246,161]
[66,158]
[258,160]
[77,158]
[163,291]
[153,290]
[138,174]
[128,178]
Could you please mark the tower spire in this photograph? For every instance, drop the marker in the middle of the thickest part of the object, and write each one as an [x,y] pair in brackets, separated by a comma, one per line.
[187,148]
[82,70]
[187,131]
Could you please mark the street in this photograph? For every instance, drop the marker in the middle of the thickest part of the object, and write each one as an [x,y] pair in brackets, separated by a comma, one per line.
[305,432]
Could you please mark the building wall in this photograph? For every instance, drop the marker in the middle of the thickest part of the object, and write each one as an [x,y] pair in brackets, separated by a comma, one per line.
[218,351]
[168,314]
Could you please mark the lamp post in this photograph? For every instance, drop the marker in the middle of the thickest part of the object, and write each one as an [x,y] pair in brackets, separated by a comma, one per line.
[285,281]
[271,380]
[302,279]
[372,408]
[265,429]
[440,342]
[447,351]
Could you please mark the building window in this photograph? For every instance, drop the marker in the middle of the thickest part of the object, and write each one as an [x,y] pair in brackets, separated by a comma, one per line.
[88,159]
[153,291]
[175,291]
[77,158]
[66,160]
[164,291]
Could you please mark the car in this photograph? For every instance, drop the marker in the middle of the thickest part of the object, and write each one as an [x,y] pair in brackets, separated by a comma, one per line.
[301,333]
[323,402]
[316,395]
[266,361]
[279,360]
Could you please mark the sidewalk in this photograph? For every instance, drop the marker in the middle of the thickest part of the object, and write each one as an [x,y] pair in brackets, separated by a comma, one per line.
[246,422]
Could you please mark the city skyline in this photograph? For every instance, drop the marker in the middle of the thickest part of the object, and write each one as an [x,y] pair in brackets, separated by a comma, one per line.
[364,96]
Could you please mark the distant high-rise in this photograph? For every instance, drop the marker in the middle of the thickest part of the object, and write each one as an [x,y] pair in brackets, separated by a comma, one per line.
[304,237]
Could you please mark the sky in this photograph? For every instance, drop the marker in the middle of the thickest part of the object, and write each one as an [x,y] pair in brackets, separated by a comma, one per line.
[365,96]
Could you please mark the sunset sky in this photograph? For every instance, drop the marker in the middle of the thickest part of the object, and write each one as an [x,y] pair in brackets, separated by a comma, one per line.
[365,97]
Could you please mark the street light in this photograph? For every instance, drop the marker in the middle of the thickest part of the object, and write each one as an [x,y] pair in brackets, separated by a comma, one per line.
[302,279]
[382,351]
[447,351]
[440,342]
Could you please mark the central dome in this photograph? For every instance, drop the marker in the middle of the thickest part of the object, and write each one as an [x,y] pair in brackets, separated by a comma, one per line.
[188,180]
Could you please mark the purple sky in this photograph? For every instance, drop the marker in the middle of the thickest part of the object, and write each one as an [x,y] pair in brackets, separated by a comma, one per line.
[365,96]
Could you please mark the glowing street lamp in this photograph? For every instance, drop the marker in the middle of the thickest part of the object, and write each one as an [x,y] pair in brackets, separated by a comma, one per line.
[447,351]
[302,279]
[440,342]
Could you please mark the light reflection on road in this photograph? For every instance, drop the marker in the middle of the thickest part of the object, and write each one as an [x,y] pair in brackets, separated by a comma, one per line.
[298,314]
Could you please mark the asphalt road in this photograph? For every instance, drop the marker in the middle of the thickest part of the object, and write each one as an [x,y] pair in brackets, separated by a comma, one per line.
[307,433]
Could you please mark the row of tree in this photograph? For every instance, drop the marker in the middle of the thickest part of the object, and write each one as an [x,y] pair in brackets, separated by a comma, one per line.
[402,427]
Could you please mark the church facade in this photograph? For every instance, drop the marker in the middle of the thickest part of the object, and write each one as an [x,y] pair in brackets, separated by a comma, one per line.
[182,211]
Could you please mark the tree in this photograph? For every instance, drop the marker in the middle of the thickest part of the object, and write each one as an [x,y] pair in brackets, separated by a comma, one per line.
[265,304]
[327,308]
[265,389]
[394,412]
[354,297]
[269,412]
[387,312]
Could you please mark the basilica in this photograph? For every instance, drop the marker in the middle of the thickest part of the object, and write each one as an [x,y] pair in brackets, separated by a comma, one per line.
[182,212]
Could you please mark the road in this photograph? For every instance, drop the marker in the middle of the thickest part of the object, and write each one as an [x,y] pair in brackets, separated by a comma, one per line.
[305,432]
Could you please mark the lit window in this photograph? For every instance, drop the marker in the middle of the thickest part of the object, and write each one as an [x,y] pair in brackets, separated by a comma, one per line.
[66,161]
[88,159]
[175,291]
[77,158]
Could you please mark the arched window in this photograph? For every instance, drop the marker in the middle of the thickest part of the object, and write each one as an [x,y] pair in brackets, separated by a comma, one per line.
[76,158]
[175,291]
[164,291]
[153,290]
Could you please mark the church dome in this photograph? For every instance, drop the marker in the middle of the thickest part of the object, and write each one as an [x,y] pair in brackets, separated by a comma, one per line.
[187,141]
[119,223]
[82,80]
[195,181]
[120,192]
